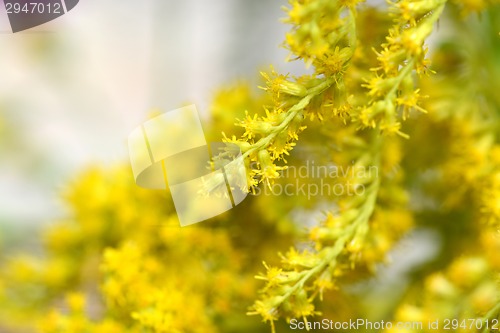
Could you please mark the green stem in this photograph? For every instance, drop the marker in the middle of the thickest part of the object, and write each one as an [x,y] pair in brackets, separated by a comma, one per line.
[493,312]
[292,113]
[402,74]
[334,251]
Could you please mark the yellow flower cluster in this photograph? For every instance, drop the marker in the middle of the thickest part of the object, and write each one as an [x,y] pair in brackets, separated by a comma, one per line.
[124,265]
[463,284]
[348,242]
[391,86]
[268,139]
[465,292]
[365,228]
[326,42]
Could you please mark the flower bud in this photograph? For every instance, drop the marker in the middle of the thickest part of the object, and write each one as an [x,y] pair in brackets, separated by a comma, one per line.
[292,88]
[260,127]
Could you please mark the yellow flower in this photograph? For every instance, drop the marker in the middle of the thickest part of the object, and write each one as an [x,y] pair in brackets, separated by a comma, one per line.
[76,302]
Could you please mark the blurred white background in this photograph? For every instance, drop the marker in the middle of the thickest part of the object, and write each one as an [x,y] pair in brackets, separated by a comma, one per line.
[73,89]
